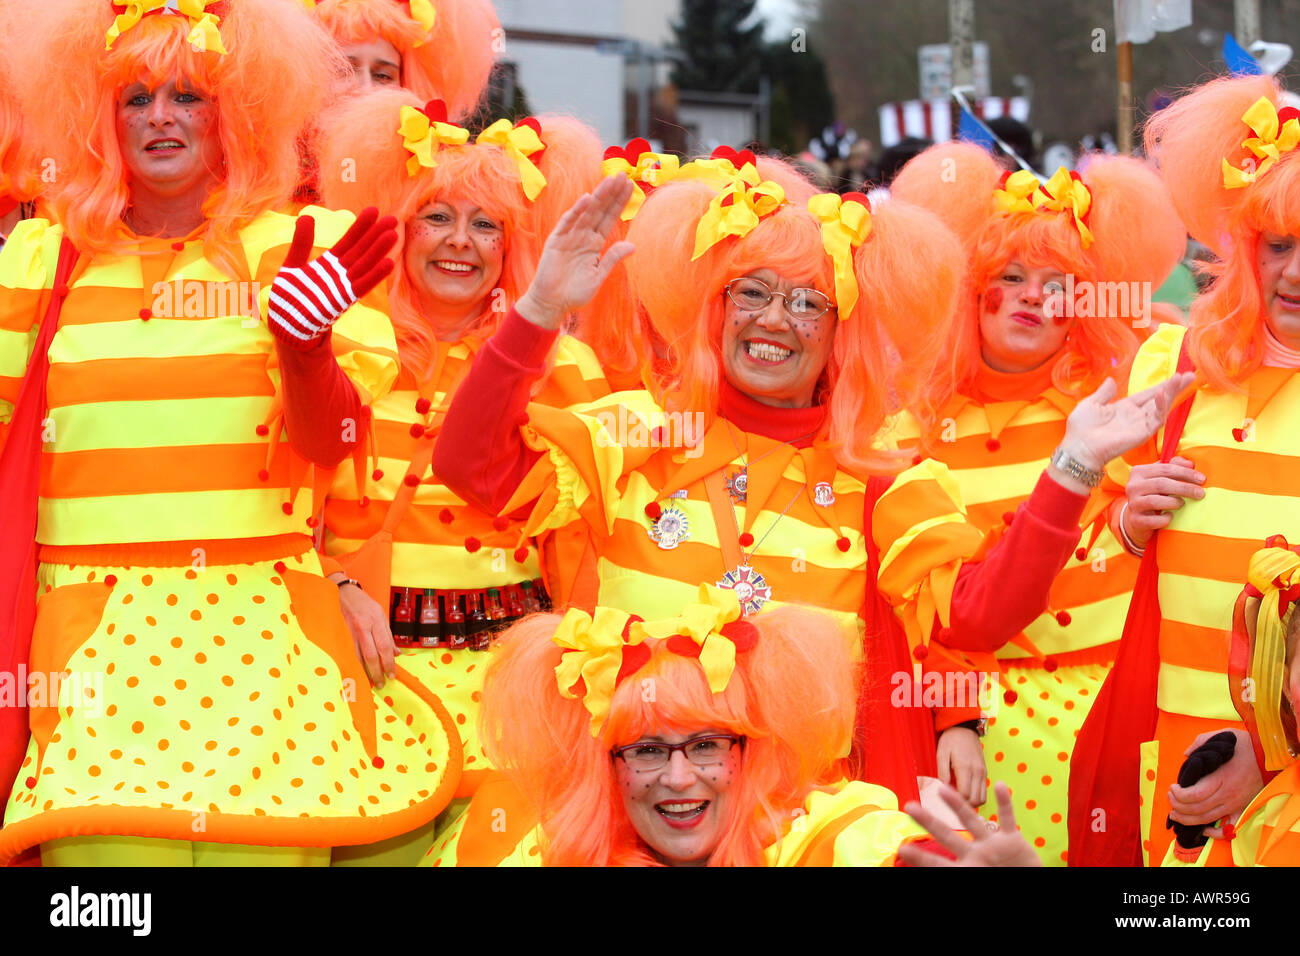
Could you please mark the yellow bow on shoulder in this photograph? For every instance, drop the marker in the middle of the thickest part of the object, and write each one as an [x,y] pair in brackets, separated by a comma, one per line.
[846,224]
[1064,192]
[651,169]
[519,142]
[701,622]
[1272,138]
[735,211]
[1275,573]
[423,13]
[594,655]
[203,36]
[423,136]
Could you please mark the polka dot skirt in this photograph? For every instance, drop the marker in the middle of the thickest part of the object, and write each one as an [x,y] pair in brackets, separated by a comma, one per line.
[199,691]
[456,678]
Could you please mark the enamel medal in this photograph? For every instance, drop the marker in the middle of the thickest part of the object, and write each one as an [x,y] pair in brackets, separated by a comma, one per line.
[670,529]
[823,494]
[752,589]
[738,484]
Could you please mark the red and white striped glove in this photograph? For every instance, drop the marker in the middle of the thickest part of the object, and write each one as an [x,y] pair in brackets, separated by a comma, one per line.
[308,297]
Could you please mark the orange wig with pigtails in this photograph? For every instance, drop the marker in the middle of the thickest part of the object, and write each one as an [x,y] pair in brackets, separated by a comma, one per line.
[792,694]
[18,180]
[450,62]
[1192,140]
[1133,236]
[66,79]
[907,273]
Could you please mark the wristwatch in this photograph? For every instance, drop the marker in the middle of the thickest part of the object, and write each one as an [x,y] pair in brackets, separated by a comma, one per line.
[1064,461]
[355,583]
[980,726]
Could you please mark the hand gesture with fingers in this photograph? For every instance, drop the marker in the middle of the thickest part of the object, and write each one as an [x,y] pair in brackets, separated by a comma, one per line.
[1002,846]
[1155,490]
[307,298]
[572,268]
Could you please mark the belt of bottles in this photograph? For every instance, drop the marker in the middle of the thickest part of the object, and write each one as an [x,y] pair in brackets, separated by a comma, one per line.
[460,619]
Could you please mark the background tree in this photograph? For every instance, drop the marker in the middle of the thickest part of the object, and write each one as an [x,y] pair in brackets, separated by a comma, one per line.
[723,44]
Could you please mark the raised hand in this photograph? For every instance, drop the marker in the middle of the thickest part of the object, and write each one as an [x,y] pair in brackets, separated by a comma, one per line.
[308,297]
[571,268]
[1003,846]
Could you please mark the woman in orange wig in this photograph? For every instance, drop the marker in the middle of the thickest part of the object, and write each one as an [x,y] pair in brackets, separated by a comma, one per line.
[705,739]
[472,234]
[170,426]
[762,473]
[437,49]
[1040,326]
[1201,498]
[17,180]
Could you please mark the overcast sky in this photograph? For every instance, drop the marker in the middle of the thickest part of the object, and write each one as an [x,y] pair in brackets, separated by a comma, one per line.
[779,14]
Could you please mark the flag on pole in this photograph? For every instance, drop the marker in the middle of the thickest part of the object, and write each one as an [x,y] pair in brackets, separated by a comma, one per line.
[1238,58]
[1138,21]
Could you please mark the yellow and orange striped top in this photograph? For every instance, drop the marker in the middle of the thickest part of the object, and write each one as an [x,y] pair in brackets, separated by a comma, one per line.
[164,417]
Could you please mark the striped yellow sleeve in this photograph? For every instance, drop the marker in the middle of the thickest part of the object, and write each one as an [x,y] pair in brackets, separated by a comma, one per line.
[921,530]
[575,375]
[858,825]
[588,448]
[27,263]
[1157,359]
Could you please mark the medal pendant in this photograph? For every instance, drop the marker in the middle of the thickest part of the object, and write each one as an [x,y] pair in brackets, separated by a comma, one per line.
[737,484]
[752,589]
[670,529]
[823,495]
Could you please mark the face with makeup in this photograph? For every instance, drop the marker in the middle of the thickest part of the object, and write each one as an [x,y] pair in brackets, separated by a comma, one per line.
[1022,318]
[1278,260]
[679,810]
[774,357]
[454,256]
[169,141]
[375,64]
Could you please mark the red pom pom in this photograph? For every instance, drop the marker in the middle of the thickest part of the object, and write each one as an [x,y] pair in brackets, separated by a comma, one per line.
[1063,618]
[920,652]
[377,763]
[917,459]
[1275,541]
[417,431]
[683,646]
[741,633]
[1050,664]
[376,474]
[263,475]
[411,481]
[146,314]
[1239,434]
[422,406]
[178,246]
[263,430]
[31,782]
[312,522]
[521,555]
[280,567]
[110,579]
[1008,517]
[746,539]
[472,544]
[653,511]
[445,516]
[1010,697]
[287,507]
[500,524]
[1081,553]
[843,543]
[993,444]
[365,501]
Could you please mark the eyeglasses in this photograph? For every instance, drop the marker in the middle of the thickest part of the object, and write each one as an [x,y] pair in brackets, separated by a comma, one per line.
[708,751]
[755,294]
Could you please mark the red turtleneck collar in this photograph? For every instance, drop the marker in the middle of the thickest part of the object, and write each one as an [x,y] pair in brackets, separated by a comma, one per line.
[798,426]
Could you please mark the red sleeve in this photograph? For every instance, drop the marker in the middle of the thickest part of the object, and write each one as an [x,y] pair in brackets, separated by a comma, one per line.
[318,399]
[997,598]
[480,454]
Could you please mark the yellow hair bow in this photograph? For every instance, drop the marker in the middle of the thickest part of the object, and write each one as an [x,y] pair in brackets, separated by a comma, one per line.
[1257,663]
[643,167]
[203,36]
[599,650]
[698,632]
[846,224]
[1276,132]
[1064,192]
[520,141]
[423,13]
[424,131]
[735,211]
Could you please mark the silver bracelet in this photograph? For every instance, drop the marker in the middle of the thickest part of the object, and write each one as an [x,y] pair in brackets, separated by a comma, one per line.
[351,581]
[1129,546]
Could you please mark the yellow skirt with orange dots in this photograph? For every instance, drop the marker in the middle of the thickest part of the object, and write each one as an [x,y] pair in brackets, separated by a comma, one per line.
[211,692]
[1031,738]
